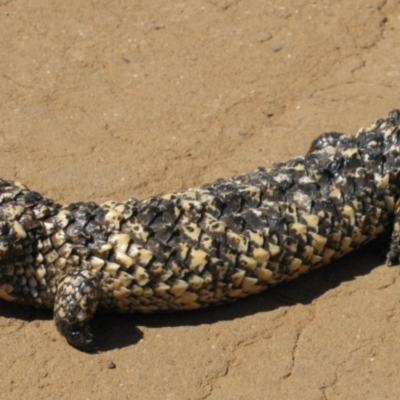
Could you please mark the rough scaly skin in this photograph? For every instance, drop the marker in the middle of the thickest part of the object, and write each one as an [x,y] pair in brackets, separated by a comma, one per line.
[204,246]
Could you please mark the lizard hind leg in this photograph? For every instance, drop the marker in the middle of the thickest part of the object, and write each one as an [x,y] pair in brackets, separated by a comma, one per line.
[76,302]
[325,140]
[393,255]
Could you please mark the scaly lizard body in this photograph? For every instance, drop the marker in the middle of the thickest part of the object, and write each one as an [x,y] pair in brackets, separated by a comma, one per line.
[203,246]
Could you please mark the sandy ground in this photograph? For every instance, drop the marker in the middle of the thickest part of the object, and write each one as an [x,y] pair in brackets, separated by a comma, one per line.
[108,100]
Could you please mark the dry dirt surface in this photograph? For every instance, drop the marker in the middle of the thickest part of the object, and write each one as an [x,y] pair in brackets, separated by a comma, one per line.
[108,100]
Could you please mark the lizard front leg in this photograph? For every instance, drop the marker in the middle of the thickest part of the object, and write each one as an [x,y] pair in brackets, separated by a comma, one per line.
[76,301]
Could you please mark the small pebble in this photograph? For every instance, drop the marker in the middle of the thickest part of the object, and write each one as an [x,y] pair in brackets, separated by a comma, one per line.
[265,37]
[111,365]
[276,47]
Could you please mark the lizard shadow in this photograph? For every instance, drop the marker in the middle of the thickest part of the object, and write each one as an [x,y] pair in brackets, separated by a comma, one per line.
[120,330]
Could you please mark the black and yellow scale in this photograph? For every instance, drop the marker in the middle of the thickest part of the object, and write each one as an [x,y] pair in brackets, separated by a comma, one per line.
[205,246]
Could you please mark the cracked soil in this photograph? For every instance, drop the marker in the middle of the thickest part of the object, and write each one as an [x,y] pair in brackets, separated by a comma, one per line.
[108,100]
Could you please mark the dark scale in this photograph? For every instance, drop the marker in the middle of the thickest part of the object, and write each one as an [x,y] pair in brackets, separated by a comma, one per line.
[205,246]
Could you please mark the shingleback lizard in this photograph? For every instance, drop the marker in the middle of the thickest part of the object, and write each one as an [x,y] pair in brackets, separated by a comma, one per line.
[203,246]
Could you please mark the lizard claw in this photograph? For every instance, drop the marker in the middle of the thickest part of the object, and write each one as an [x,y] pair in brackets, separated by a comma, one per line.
[81,339]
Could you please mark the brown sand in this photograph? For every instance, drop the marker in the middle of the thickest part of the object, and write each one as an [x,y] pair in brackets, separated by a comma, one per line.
[108,99]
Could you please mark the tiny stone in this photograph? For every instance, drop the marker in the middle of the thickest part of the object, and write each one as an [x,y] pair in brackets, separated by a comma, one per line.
[268,115]
[276,47]
[111,365]
[265,37]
